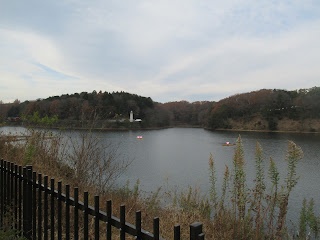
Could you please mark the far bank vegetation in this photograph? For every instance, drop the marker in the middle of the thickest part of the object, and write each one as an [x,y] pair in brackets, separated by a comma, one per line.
[269,110]
[264,110]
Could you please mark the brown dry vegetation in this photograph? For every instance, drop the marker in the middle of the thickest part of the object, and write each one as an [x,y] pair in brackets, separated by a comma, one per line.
[251,215]
[266,109]
[45,157]
[287,125]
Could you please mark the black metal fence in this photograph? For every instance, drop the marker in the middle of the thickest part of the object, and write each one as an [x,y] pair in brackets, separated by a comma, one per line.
[36,210]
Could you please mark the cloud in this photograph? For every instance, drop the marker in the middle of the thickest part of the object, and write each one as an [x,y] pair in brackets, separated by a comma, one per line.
[21,71]
[245,63]
[166,50]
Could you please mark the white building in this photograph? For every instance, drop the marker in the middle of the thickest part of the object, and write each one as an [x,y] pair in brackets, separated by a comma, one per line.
[134,120]
[131,116]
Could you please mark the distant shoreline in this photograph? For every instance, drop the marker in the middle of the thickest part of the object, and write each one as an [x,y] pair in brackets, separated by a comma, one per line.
[166,127]
[265,131]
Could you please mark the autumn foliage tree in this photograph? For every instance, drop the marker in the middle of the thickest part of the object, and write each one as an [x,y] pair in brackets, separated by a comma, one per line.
[269,105]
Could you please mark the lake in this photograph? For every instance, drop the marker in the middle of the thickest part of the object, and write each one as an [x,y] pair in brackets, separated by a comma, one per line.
[177,158]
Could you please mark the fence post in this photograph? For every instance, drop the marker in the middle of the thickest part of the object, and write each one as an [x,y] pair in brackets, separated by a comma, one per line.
[156,228]
[1,193]
[27,217]
[40,206]
[195,230]
[52,208]
[34,205]
[16,196]
[59,210]
[67,212]
[76,207]
[20,229]
[12,194]
[177,232]
[45,208]
[97,219]
[138,225]
[8,188]
[122,222]
[85,215]
[109,211]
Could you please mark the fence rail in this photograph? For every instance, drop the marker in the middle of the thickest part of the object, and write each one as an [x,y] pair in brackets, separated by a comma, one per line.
[36,210]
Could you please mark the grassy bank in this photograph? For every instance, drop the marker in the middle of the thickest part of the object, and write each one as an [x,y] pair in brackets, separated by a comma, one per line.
[238,213]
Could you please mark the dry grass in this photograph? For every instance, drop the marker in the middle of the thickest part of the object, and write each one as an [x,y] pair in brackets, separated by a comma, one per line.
[49,157]
[257,123]
[46,157]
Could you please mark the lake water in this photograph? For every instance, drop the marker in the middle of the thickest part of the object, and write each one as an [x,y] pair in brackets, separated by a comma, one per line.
[177,158]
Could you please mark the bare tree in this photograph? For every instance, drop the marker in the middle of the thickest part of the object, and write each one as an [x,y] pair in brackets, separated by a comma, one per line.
[96,163]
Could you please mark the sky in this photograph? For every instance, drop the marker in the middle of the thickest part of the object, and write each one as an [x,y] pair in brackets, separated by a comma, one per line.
[169,50]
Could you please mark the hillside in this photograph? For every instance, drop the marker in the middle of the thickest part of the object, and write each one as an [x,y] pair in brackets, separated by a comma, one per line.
[265,110]
[269,110]
[109,110]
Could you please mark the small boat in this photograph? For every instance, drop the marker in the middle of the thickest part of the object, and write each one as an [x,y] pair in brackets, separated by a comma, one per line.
[228,144]
[139,137]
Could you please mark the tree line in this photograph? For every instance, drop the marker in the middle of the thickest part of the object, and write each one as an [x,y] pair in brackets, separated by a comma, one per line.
[106,106]
[267,104]
[270,105]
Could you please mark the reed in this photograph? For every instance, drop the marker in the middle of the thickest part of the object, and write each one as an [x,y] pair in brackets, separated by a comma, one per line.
[239,191]
[238,213]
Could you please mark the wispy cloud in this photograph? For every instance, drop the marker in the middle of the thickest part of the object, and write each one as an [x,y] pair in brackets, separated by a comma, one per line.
[168,50]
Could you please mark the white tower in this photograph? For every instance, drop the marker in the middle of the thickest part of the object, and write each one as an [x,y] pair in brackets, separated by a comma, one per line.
[131,116]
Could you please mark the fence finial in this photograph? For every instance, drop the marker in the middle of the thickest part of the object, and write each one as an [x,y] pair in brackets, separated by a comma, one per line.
[195,230]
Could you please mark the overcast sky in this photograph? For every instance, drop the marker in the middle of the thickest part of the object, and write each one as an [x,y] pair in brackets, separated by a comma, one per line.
[167,50]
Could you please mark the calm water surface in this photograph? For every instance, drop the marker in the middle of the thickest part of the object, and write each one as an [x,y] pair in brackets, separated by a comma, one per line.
[177,158]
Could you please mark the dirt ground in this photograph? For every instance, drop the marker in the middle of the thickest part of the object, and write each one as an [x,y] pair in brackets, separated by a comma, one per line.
[285,124]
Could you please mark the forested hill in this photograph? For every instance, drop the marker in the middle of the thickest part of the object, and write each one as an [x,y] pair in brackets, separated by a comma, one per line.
[267,109]
[72,109]
[109,110]
[185,113]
